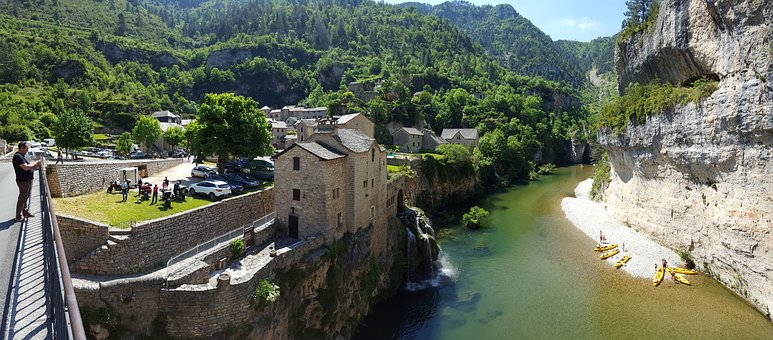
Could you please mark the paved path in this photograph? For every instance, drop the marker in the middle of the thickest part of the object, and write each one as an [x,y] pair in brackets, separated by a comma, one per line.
[9,232]
[27,301]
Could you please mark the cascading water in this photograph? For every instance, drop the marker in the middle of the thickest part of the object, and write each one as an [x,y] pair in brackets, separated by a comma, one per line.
[411,245]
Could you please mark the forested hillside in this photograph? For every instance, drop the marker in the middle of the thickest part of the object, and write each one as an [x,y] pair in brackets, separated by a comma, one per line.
[118,59]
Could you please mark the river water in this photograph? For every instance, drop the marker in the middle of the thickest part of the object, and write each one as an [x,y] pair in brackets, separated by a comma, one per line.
[532,275]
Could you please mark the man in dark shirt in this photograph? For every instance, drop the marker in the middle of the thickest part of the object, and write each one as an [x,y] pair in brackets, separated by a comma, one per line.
[23,170]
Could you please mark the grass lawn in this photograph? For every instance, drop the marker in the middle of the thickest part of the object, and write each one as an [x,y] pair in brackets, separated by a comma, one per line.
[393,168]
[107,208]
[101,137]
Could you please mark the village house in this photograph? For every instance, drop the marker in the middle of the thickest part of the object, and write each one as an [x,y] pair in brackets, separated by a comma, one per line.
[331,184]
[167,120]
[278,130]
[357,121]
[408,139]
[466,137]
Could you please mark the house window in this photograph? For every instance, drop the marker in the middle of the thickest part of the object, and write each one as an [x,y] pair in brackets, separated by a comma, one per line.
[373,155]
[296,163]
[371,182]
[365,183]
[340,219]
[372,211]
[296,194]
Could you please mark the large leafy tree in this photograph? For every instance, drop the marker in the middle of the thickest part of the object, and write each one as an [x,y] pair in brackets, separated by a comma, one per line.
[174,136]
[228,126]
[146,131]
[74,130]
[124,144]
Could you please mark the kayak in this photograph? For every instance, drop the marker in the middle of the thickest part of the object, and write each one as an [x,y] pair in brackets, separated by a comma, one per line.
[680,279]
[658,276]
[622,261]
[609,254]
[682,271]
[605,248]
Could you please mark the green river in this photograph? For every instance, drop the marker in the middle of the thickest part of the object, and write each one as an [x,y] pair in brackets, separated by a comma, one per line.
[532,275]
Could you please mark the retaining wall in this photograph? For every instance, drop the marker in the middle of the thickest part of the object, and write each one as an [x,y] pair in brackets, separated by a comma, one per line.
[80,237]
[151,244]
[73,179]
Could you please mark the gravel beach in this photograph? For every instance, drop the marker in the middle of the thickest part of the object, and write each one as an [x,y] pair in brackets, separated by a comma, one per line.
[590,217]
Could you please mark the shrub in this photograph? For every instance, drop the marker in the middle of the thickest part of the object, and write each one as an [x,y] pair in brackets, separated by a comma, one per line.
[265,291]
[600,177]
[686,257]
[237,248]
[475,218]
[546,169]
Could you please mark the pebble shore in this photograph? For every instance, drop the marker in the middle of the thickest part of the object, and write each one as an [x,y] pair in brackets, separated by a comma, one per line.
[591,217]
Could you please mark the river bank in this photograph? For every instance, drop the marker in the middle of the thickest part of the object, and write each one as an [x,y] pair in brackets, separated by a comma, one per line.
[592,217]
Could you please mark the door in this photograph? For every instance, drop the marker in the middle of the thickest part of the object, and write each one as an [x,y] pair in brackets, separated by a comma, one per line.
[293,226]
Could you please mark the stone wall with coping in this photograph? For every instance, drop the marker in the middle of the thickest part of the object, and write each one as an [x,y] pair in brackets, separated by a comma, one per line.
[80,237]
[73,179]
[151,244]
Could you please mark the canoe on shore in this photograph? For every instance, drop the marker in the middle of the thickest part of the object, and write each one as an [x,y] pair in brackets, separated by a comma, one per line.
[682,271]
[622,261]
[609,254]
[659,276]
[605,248]
[680,279]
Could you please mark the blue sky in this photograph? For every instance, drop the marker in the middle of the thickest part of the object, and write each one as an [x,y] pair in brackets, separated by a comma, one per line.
[564,19]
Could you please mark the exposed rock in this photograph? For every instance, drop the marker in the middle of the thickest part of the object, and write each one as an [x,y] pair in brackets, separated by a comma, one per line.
[69,70]
[698,177]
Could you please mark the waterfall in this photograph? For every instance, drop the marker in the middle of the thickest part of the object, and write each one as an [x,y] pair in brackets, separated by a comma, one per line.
[409,247]
[428,258]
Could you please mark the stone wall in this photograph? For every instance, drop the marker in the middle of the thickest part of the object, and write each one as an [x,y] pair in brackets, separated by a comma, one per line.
[151,244]
[73,179]
[80,237]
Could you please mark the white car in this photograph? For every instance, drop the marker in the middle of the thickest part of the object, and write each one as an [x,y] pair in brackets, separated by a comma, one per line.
[213,189]
[203,171]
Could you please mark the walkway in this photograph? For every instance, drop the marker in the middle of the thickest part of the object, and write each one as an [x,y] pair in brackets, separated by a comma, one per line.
[23,288]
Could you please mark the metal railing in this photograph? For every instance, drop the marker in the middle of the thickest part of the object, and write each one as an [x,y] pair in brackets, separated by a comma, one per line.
[205,246]
[65,315]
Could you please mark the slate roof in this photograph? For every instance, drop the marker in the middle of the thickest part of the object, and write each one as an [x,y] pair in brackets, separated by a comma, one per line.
[265,108]
[309,122]
[346,118]
[354,140]
[466,133]
[412,131]
[319,150]
[166,113]
[278,125]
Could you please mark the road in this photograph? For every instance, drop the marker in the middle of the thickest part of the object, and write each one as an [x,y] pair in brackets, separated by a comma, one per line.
[9,229]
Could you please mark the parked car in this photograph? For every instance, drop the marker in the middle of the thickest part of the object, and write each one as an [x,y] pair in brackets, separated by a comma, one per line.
[138,155]
[261,169]
[49,142]
[246,180]
[203,171]
[213,189]
[236,187]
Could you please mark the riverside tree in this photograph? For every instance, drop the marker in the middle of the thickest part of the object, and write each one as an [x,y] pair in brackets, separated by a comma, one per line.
[73,130]
[228,126]
[146,131]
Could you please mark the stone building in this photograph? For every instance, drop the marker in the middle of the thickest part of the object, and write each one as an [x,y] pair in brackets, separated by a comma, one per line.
[408,139]
[357,121]
[331,184]
[466,137]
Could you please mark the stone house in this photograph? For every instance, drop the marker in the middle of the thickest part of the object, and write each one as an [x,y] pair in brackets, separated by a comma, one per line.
[431,141]
[334,183]
[278,130]
[408,139]
[305,128]
[466,137]
[167,120]
[357,121]
[167,117]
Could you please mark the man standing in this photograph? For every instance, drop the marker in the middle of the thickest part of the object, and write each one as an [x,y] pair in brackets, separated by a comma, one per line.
[24,176]
[155,194]
[125,190]
[59,157]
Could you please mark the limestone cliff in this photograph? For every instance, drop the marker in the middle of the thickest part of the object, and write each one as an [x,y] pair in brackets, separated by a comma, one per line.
[698,176]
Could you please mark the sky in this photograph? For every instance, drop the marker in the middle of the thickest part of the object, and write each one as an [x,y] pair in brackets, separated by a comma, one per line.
[563,19]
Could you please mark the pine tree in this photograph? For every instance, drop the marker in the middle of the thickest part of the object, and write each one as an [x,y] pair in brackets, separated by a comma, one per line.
[637,12]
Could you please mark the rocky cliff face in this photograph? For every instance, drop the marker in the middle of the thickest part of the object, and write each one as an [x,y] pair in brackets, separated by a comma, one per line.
[698,177]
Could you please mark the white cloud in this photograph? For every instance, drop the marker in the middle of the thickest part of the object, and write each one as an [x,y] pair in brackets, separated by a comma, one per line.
[583,24]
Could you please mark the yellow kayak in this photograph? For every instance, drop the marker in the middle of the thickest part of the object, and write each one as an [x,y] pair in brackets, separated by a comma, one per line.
[680,279]
[622,261]
[609,254]
[682,271]
[659,276]
[605,248]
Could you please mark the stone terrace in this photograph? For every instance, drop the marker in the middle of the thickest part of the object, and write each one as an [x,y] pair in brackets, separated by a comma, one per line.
[78,178]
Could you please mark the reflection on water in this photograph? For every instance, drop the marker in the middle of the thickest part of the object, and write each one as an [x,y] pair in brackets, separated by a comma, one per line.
[531,274]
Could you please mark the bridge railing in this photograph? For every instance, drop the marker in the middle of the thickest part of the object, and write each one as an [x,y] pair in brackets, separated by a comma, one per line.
[66,317]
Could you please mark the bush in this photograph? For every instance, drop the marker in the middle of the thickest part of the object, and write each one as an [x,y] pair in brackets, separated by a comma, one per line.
[686,257]
[15,132]
[237,248]
[475,218]
[265,291]
[600,177]
[546,169]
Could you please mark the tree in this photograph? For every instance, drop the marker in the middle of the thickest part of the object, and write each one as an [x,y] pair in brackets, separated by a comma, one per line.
[73,130]
[146,131]
[637,12]
[475,218]
[175,136]
[229,126]
[124,144]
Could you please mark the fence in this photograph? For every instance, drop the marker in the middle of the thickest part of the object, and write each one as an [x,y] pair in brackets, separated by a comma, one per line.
[64,310]
[208,245]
